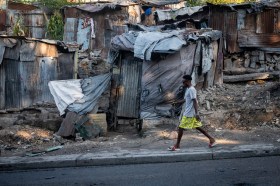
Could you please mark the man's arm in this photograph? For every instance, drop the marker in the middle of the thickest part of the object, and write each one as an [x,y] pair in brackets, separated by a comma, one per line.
[195,104]
[179,101]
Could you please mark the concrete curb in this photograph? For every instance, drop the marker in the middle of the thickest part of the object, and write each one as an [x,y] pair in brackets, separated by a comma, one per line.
[124,157]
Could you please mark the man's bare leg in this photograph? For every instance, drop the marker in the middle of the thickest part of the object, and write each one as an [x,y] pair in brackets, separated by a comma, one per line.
[180,134]
[211,139]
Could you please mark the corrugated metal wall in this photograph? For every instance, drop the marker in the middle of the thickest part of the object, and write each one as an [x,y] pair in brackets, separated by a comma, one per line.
[34,21]
[130,88]
[265,22]
[2,20]
[231,32]
[24,83]
[12,84]
[2,86]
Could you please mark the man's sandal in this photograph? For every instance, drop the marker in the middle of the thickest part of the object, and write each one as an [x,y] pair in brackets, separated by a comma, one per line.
[211,145]
[173,148]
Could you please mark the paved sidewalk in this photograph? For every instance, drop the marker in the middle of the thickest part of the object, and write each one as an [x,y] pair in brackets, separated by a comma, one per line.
[123,157]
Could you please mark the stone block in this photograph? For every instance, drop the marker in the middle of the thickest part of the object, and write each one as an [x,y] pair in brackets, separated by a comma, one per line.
[100,121]
[228,63]
[255,53]
[268,57]
[261,56]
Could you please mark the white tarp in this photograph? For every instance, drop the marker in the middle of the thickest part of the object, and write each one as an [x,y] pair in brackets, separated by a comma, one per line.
[148,42]
[65,92]
[78,96]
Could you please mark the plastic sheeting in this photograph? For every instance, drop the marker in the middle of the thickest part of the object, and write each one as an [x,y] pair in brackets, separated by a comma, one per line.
[148,42]
[162,80]
[79,96]
[65,92]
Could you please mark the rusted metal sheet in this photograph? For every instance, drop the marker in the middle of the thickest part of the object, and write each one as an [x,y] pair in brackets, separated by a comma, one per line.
[277,22]
[129,89]
[250,22]
[29,83]
[217,19]
[246,39]
[83,35]
[66,63]
[71,12]
[2,20]
[98,41]
[13,53]
[33,21]
[70,30]
[241,15]
[46,50]
[48,72]
[27,51]
[2,86]
[12,84]
[21,6]
[265,22]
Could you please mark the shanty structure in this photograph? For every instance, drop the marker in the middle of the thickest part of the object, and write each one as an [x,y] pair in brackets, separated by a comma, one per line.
[251,36]
[26,67]
[149,66]
[247,25]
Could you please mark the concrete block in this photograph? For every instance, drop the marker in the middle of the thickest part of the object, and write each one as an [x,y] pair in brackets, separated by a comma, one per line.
[99,120]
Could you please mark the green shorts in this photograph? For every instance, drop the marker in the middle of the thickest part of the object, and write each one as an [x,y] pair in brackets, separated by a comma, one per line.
[189,123]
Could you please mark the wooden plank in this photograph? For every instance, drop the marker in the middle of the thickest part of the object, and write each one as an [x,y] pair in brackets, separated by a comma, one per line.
[219,67]
[246,39]
[240,71]
[211,74]
[67,126]
[247,77]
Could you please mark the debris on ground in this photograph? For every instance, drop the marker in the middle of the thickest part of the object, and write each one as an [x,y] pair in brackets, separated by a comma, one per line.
[233,113]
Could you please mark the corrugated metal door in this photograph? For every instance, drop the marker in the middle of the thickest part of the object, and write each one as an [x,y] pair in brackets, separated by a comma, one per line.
[48,72]
[12,84]
[2,86]
[130,88]
[29,82]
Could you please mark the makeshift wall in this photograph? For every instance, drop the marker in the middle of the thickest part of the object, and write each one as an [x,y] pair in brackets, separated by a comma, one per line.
[162,80]
[26,69]
[95,26]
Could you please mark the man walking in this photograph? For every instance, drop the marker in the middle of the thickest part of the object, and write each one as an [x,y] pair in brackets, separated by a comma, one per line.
[190,119]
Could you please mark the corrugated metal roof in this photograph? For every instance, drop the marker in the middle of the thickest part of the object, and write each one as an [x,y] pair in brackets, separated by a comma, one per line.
[97,7]
[21,6]
[159,2]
